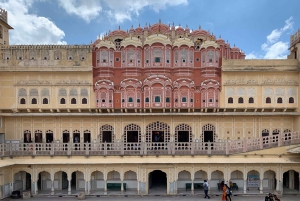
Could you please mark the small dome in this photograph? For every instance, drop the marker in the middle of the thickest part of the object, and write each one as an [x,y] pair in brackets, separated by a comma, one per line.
[220,40]
[235,49]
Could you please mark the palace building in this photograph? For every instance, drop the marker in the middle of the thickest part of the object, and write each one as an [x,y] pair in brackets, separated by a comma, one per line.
[152,110]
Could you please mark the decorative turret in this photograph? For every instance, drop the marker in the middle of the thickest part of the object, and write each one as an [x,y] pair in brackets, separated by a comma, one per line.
[4,28]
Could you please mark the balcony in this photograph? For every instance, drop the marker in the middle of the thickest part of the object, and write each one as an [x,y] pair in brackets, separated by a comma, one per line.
[148,148]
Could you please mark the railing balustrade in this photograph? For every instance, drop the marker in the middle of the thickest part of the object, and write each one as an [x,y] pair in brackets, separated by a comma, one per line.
[148,148]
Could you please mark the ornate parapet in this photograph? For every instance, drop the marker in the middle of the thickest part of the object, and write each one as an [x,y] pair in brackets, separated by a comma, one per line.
[3,15]
[295,38]
[24,57]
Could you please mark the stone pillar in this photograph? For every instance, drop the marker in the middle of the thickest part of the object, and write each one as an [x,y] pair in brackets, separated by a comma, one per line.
[192,187]
[89,187]
[36,188]
[277,185]
[261,186]
[105,187]
[245,186]
[52,187]
[85,187]
[122,187]
[69,187]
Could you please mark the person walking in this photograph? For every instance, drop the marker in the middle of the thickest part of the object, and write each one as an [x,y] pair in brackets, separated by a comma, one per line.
[224,189]
[205,187]
[228,193]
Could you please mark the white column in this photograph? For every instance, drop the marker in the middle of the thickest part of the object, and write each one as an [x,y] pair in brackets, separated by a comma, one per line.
[280,187]
[85,187]
[277,185]
[122,188]
[192,187]
[36,188]
[89,187]
[261,186]
[245,186]
[105,187]
[69,187]
[52,187]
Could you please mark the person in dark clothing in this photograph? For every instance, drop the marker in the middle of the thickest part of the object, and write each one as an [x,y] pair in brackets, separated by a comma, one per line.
[228,193]
[205,187]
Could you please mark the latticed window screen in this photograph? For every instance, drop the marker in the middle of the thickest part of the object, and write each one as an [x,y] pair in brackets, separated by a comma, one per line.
[22,92]
[183,127]
[45,92]
[265,133]
[208,127]
[106,127]
[132,127]
[73,92]
[33,92]
[62,92]
[287,134]
[84,92]
[158,126]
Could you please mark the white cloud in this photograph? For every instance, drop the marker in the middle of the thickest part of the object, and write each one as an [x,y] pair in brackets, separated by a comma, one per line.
[274,48]
[252,55]
[276,33]
[117,10]
[86,10]
[278,50]
[30,28]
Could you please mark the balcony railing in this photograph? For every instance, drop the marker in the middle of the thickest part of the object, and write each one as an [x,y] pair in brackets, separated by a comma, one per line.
[148,148]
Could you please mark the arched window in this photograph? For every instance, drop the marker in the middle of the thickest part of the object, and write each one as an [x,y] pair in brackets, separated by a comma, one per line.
[147,100]
[130,99]
[45,101]
[279,100]
[138,100]
[167,100]
[73,101]
[123,100]
[276,132]
[33,101]
[23,101]
[183,99]
[251,100]
[192,100]
[265,132]
[176,100]
[241,100]
[84,101]
[230,100]
[291,100]
[268,100]
[157,99]
[62,101]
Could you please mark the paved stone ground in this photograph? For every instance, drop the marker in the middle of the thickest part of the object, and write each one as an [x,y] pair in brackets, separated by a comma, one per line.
[162,198]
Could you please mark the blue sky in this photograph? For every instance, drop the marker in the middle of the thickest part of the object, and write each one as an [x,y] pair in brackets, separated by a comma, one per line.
[261,28]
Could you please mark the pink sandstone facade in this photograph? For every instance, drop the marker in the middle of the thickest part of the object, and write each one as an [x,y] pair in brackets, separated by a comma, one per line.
[159,67]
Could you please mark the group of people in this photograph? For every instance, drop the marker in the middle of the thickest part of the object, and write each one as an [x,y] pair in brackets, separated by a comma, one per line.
[226,188]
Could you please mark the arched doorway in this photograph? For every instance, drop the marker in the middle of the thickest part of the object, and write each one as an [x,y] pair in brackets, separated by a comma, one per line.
[107,134]
[237,179]
[132,133]
[291,182]
[183,133]
[97,182]
[208,133]
[157,182]
[61,182]
[157,132]
[44,182]
[269,181]
[22,181]
[183,178]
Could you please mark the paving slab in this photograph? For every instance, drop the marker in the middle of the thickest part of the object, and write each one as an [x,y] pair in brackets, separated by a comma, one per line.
[161,198]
